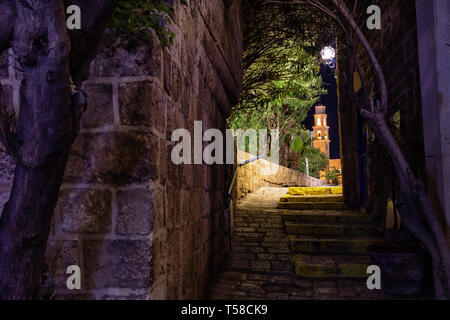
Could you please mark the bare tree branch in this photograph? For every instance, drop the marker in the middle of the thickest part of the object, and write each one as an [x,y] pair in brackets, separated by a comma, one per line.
[340,4]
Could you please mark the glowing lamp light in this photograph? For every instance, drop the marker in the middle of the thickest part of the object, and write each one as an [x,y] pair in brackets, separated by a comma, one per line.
[328,54]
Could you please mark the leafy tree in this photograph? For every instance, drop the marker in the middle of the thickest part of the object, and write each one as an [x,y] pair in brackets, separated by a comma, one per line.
[332,175]
[317,162]
[280,81]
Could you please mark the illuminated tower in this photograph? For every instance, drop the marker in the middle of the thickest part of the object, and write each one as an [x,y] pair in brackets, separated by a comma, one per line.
[321,129]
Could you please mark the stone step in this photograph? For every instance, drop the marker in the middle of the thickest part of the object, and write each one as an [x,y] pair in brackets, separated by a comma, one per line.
[311,205]
[304,191]
[329,198]
[317,267]
[314,229]
[318,245]
[327,217]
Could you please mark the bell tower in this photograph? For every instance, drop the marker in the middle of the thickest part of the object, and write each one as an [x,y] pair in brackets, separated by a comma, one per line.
[321,129]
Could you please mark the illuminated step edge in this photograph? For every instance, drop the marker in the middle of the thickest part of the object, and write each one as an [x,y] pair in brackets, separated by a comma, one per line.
[352,267]
[310,191]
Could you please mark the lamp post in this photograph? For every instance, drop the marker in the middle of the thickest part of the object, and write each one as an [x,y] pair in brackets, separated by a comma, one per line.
[329,56]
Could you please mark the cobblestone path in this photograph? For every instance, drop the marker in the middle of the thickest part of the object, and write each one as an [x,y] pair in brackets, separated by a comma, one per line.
[260,266]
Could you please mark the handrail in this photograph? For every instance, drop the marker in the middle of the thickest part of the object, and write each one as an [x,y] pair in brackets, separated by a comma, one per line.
[230,189]
[236,170]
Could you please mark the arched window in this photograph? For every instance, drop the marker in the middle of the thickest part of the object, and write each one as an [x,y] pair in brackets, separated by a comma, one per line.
[319,122]
[319,135]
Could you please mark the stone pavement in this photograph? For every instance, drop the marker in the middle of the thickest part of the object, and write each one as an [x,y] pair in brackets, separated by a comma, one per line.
[260,266]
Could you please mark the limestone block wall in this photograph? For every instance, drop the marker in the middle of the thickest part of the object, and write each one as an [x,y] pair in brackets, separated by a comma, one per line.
[137,225]
[396,46]
[253,176]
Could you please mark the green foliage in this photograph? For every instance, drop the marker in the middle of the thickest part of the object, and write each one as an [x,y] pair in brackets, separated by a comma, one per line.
[133,18]
[332,175]
[279,89]
[302,143]
[317,160]
[298,144]
[281,79]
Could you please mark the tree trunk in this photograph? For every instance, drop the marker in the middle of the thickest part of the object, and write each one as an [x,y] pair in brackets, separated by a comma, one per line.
[45,133]
[48,124]
[25,227]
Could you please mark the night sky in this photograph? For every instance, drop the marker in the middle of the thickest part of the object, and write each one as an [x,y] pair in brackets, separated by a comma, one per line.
[329,100]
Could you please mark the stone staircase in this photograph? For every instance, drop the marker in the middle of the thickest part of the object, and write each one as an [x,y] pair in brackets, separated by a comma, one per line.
[327,241]
[317,253]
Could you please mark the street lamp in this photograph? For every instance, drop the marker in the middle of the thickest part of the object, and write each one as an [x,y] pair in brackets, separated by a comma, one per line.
[329,56]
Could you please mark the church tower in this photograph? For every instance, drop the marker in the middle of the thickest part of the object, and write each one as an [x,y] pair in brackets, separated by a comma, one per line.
[321,129]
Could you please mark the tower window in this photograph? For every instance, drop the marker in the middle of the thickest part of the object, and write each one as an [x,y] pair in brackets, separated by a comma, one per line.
[319,122]
[319,135]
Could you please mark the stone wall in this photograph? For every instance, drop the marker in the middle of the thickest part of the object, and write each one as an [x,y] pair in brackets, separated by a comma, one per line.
[348,124]
[137,225]
[252,176]
[395,45]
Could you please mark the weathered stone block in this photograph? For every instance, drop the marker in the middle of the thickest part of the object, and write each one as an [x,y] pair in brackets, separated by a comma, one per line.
[118,158]
[117,264]
[159,258]
[173,173]
[173,251]
[175,120]
[99,106]
[173,196]
[167,69]
[58,256]
[177,83]
[185,208]
[159,209]
[207,229]
[85,211]
[135,215]
[135,60]
[187,176]
[198,200]
[164,158]
[142,104]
